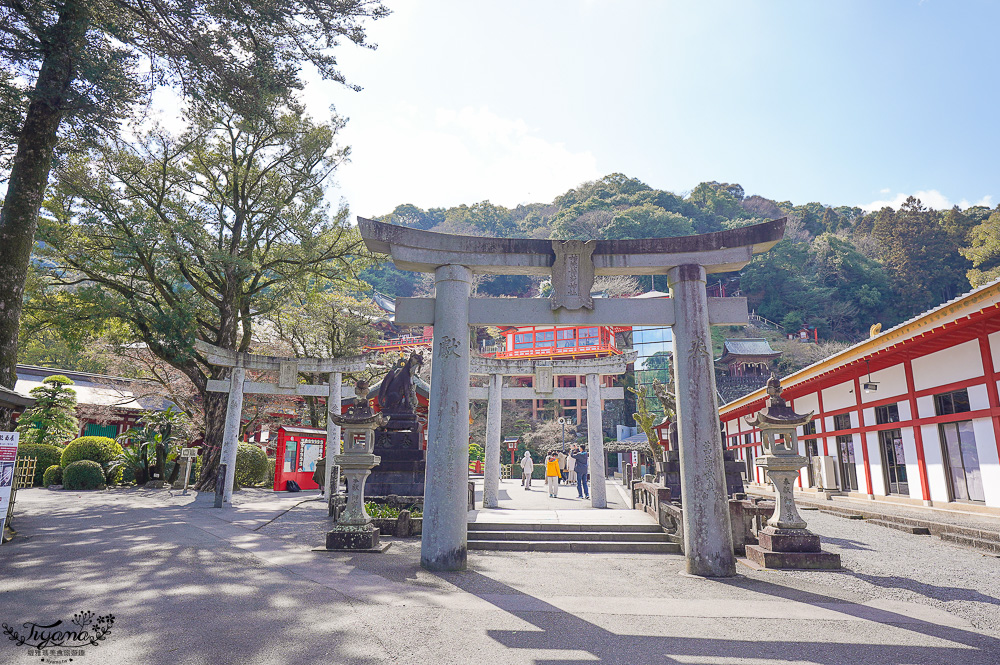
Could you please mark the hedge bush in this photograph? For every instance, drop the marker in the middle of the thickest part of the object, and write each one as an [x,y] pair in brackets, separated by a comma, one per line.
[98,449]
[269,477]
[45,455]
[83,475]
[251,465]
[52,476]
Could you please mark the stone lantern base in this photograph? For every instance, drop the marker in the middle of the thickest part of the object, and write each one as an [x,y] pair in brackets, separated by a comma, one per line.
[350,537]
[791,548]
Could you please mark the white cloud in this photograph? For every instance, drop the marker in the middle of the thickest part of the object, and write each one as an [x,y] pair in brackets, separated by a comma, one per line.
[444,157]
[884,190]
[930,198]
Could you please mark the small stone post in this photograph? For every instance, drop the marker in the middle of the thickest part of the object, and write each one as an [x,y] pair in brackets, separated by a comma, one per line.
[443,540]
[332,433]
[595,442]
[231,434]
[708,536]
[494,409]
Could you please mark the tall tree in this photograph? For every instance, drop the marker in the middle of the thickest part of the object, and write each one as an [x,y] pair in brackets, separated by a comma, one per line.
[920,254]
[83,64]
[984,251]
[195,237]
[323,323]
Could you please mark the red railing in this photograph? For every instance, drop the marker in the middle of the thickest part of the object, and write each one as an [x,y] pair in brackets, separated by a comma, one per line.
[401,343]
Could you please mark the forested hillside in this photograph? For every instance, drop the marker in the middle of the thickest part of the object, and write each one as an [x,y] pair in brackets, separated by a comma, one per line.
[838,269]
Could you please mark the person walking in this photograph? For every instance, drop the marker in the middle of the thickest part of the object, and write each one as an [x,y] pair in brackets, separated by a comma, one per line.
[582,458]
[552,474]
[562,465]
[527,467]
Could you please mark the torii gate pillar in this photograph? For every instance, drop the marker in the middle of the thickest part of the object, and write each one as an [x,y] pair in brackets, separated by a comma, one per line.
[491,477]
[708,538]
[443,542]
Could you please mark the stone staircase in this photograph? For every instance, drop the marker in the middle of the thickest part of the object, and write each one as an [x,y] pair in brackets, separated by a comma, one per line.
[630,538]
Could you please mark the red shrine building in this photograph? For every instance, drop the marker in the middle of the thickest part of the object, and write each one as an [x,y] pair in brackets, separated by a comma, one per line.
[909,415]
[558,343]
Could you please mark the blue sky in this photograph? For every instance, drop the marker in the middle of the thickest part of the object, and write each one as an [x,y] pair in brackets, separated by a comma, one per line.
[845,102]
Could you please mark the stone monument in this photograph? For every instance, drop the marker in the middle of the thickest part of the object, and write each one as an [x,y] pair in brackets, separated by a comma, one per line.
[784,542]
[401,471]
[353,529]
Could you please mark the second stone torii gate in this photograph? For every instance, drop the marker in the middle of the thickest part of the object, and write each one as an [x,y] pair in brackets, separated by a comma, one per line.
[572,265]
[288,370]
[544,371]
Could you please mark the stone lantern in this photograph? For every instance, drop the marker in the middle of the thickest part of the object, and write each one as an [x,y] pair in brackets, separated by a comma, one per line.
[784,542]
[354,530]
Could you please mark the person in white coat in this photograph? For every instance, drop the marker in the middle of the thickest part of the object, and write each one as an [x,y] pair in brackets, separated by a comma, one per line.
[527,467]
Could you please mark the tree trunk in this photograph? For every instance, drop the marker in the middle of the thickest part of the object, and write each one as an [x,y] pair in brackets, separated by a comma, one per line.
[29,174]
[215,424]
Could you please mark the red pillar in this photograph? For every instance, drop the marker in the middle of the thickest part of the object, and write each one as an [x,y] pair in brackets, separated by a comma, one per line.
[791,404]
[991,384]
[918,435]
[864,435]
[822,419]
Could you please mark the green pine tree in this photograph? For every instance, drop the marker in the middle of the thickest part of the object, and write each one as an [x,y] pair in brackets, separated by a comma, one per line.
[53,417]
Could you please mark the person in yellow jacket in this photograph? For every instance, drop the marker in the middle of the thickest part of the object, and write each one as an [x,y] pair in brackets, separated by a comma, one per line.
[552,473]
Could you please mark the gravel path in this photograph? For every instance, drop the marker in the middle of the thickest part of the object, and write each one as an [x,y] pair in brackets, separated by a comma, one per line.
[880,562]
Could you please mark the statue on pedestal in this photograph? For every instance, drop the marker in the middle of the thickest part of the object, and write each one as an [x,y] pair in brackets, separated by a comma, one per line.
[397,396]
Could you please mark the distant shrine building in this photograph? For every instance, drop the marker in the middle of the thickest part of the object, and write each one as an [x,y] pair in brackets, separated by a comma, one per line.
[910,415]
[744,367]
[557,343]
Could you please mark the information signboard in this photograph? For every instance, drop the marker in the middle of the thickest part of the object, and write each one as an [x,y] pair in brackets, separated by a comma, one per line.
[8,459]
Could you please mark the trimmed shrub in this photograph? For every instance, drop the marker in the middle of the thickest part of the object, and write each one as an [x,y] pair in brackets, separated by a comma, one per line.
[83,475]
[98,449]
[45,456]
[52,476]
[251,465]
[269,478]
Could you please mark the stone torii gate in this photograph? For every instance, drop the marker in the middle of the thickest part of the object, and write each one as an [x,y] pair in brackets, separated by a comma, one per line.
[544,371]
[572,266]
[288,370]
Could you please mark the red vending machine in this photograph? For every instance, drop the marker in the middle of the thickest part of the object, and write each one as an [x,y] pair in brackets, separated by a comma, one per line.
[298,450]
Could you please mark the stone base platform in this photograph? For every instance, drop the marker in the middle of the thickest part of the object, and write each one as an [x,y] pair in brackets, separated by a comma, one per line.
[379,549]
[793,560]
[791,548]
[344,537]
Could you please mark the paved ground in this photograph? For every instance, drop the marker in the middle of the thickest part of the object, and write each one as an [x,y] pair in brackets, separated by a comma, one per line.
[191,584]
[535,506]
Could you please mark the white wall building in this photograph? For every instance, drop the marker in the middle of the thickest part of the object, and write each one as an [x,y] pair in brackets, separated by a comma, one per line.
[910,415]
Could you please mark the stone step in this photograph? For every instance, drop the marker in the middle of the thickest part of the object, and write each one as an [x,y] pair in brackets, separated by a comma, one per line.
[593,546]
[617,536]
[991,546]
[838,513]
[619,528]
[908,528]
